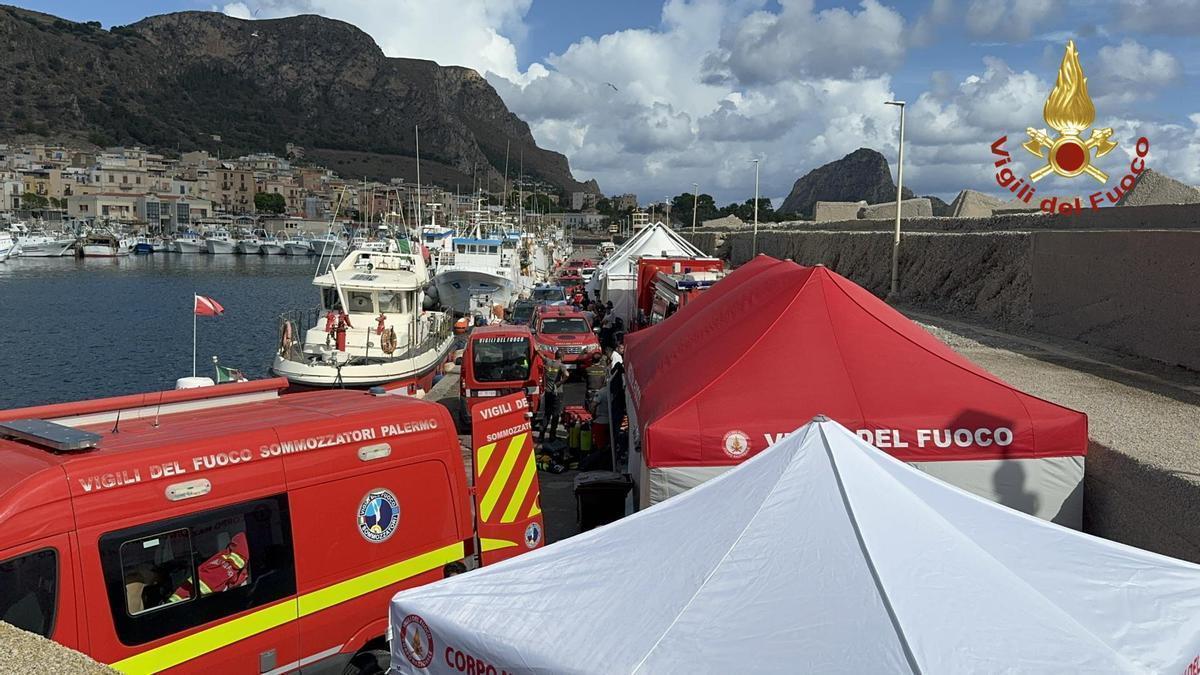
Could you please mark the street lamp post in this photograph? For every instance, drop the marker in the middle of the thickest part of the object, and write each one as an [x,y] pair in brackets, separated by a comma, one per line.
[695,204]
[754,252]
[899,199]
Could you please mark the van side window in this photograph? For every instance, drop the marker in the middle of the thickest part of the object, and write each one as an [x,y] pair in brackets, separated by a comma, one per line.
[29,591]
[176,574]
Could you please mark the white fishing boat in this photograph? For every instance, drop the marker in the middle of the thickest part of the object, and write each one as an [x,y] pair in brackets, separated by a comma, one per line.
[328,245]
[219,242]
[106,245]
[475,274]
[39,244]
[297,245]
[272,246]
[371,329]
[7,244]
[251,244]
[188,242]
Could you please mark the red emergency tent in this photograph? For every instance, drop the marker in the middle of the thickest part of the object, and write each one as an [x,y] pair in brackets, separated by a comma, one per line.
[775,343]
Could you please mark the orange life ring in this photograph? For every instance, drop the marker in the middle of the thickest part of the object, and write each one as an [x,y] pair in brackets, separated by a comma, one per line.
[285,338]
[388,340]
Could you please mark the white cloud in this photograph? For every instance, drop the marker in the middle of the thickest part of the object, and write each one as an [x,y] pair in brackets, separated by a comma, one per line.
[767,47]
[1176,17]
[477,34]
[1130,70]
[1011,20]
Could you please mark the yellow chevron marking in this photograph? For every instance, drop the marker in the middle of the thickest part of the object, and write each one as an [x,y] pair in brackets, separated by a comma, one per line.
[501,478]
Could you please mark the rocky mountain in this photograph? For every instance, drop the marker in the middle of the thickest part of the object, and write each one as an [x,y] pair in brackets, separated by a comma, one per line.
[861,175]
[203,80]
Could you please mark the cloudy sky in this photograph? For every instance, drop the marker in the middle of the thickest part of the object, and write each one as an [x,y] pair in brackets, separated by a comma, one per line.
[650,97]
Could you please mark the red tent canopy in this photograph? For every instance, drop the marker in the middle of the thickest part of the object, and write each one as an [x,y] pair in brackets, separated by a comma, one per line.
[774,344]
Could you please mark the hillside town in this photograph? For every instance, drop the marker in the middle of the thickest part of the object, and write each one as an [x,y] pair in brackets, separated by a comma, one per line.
[138,190]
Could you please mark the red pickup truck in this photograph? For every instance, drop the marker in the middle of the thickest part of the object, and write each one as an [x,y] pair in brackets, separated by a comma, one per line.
[564,328]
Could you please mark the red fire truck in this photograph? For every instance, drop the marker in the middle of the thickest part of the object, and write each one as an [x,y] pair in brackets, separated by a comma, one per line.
[666,284]
[230,529]
[499,360]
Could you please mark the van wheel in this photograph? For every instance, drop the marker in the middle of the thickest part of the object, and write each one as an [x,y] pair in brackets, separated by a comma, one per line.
[369,662]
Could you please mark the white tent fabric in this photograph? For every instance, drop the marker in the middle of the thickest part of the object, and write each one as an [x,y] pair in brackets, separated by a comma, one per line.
[616,278]
[821,554]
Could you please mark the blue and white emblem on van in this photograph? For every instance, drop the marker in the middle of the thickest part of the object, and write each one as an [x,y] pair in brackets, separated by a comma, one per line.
[378,515]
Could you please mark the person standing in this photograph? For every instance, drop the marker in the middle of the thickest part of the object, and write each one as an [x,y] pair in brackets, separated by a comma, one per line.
[554,375]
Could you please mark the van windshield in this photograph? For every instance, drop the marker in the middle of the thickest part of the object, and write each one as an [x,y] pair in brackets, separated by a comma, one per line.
[554,294]
[28,590]
[501,359]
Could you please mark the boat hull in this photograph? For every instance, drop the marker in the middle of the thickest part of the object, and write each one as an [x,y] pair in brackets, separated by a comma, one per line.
[471,291]
[104,251]
[248,247]
[296,248]
[416,372]
[271,249]
[187,246]
[329,248]
[50,249]
[218,246]
[142,249]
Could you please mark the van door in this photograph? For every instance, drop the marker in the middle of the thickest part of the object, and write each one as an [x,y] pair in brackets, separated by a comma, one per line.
[378,518]
[37,589]
[507,494]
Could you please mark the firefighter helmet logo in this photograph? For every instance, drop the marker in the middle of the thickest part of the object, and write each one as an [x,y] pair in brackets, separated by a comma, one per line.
[736,444]
[416,641]
[533,535]
[378,515]
[1069,110]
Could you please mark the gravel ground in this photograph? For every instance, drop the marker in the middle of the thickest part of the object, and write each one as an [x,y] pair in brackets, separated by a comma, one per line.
[1142,480]
[23,653]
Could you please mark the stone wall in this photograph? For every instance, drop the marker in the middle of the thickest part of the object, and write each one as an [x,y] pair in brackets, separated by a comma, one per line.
[1134,292]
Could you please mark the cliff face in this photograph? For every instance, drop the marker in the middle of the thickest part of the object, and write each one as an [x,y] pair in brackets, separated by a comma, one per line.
[861,175]
[180,80]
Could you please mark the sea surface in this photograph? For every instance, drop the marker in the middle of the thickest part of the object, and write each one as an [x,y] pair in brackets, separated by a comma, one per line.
[73,329]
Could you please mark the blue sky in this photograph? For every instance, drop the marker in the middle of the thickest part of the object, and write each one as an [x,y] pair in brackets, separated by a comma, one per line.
[704,84]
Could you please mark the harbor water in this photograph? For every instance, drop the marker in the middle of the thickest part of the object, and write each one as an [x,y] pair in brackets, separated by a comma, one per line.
[81,328]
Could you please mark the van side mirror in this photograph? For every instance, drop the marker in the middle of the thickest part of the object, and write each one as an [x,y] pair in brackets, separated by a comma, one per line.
[458,360]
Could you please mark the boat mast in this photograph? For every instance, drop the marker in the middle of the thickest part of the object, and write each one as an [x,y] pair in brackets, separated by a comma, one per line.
[417,132]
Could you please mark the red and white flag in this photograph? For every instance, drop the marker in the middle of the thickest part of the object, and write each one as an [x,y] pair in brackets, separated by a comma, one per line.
[208,307]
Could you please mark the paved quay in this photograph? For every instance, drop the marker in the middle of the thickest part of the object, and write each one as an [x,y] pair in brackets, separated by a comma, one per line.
[1142,475]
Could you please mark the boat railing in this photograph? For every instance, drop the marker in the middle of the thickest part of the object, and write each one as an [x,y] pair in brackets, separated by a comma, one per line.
[434,329]
[293,326]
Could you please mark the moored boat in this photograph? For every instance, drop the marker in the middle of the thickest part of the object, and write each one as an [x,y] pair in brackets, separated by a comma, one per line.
[106,245]
[371,328]
[272,246]
[188,242]
[297,245]
[328,245]
[219,242]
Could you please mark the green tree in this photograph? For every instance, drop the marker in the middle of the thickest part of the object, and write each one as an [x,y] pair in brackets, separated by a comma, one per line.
[32,200]
[269,202]
[681,208]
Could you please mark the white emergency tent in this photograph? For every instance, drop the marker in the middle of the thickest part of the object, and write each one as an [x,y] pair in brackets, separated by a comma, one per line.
[821,554]
[617,277]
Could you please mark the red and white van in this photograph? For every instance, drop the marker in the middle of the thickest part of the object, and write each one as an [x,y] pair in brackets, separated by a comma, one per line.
[227,529]
[497,361]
